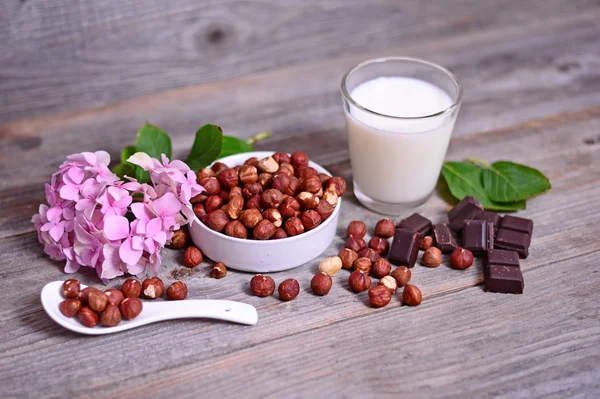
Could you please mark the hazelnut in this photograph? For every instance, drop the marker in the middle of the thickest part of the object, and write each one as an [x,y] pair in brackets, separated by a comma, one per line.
[263,230]
[115,296]
[273,216]
[71,289]
[356,229]
[299,159]
[224,194]
[131,308]
[379,296]
[282,157]
[288,289]
[379,245]
[411,295]
[281,181]
[312,184]
[177,291]
[363,264]
[359,281]
[206,172]
[251,189]
[199,199]
[218,271]
[268,165]
[319,194]
[265,180]
[235,206]
[251,161]
[381,268]
[192,257]
[304,172]
[337,184]
[204,219]
[385,228]
[111,316]
[236,229]
[432,257]
[356,244]
[254,203]
[289,206]
[321,283]
[217,220]
[228,178]
[293,226]
[294,188]
[390,283]
[402,275]
[248,174]
[153,287]
[307,200]
[211,185]
[331,265]
[87,317]
[84,295]
[347,257]
[251,217]
[262,286]
[369,253]
[324,177]
[287,169]
[97,300]
[279,234]
[324,209]
[271,198]
[330,197]
[70,307]
[180,237]
[310,219]
[131,288]
[426,243]
[219,167]
[213,203]
[461,258]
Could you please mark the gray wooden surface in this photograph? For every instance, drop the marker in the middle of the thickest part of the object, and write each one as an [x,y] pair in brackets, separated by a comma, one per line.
[532,94]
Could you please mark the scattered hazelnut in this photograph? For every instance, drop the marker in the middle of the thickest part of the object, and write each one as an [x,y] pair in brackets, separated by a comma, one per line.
[307,200]
[153,287]
[379,245]
[248,174]
[70,307]
[379,296]
[251,217]
[217,220]
[286,169]
[177,291]
[390,283]
[84,295]
[131,288]
[289,206]
[356,229]
[331,265]
[265,179]
[87,317]
[411,295]
[324,209]
[273,216]
[381,268]
[356,244]
[337,184]
[115,296]
[71,289]
[288,289]
[268,165]
[293,226]
[402,275]
[131,308]
[211,185]
[385,228]
[206,172]
[312,184]
[330,197]
[279,234]
[219,167]
[236,229]
[359,281]
[263,230]
[97,300]
[369,253]
[281,181]
[426,243]
[321,283]
[251,161]
[262,286]
[235,206]
[299,159]
[251,189]
[111,316]
[254,203]
[432,257]
[363,264]
[310,219]
[461,258]
[281,157]
[271,198]
[228,178]
[347,256]
[294,188]
[218,271]
[180,237]
[192,257]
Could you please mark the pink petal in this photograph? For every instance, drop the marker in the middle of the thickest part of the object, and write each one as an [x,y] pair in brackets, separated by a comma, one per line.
[116,227]
[137,243]
[76,174]
[57,231]
[142,159]
[111,267]
[102,157]
[167,205]
[54,214]
[69,193]
[129,255]
[160,238]
[141,211]
[68,213]
[153,227]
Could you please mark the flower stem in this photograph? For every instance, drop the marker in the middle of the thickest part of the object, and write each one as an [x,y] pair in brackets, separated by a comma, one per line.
[479,162]
[260,136]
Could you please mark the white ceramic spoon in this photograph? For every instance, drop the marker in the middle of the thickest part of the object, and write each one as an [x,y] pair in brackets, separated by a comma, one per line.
[236,312]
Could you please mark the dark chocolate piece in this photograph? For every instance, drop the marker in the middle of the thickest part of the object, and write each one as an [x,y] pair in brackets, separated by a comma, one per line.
[466,209]
[517,224]
[405,248]
[513,240]
[505,279]
[478,235]
[490,217]
[415,223]
[445,238]
[499,257]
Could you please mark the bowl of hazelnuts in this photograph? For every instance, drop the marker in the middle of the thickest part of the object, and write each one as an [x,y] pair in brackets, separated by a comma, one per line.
[265,211]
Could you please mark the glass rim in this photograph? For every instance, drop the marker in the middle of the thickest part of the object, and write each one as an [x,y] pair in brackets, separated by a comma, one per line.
[455,102]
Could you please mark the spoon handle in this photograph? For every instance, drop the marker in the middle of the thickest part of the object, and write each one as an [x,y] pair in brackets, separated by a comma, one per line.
[236,312]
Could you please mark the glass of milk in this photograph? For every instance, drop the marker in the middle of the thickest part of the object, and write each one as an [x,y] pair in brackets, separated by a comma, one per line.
[400,113]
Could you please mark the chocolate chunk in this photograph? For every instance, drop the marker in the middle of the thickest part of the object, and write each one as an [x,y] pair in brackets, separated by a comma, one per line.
[490,217]
[513,240]
[478,235]
[505,279]
[445,238]
[415,223]
[405,248]
[517,224]
[499,257]
[466,209]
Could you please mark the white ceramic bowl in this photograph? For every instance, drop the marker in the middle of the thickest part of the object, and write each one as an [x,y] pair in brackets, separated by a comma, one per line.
[265,256]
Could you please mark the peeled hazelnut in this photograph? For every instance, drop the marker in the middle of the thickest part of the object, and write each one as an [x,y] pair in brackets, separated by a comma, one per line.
[273,216]
[271,198]
[385,228]
[70,307]
[228,178]
[217,220]
[432,257]
[115,296]
[251,189]
[131,288]
[324,209]
[177,291]
[111,316]
[363,264]
[356,244]
[288,289]
[381,268]
[287,169]
[236,229]
[331,265]
[131,308]
[251,217]
[359,281]
[268,165]
[281,157]
[87,317]
[369,253]
[218,271]
[379,245]
[219,167]
[321,283]
[310,219]
[265,180]
[411,295]
[330,197]
[153,287]
[319,194]
[254,203]
[71,289]
[312,184]
[206,172]
[263,230]
[248,174]
[235,206]
[192,257]
[402,275]
[251,161]
[213,203]
[97,300]
[262,286]
[293,226]
[337,184]
[281,181]
[84,295]
[279,234]
[299,159]
[379,296]
[461,258]
[307,200]
[356,229]
[294,188]
[211,185]
[426,243]
[289,206]
[347,256]
[390,283]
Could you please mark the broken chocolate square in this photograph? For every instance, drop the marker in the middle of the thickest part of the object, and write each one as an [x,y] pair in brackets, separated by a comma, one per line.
[445,238]
[504,279]
[490,217]
[513,240]
[466,209]
[478,235]
[415,223]
[405,248]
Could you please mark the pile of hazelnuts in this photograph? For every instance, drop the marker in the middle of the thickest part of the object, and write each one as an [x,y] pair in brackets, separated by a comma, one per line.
[271,198]
[92,305]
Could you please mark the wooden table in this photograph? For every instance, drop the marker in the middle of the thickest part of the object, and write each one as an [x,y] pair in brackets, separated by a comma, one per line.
[85,77]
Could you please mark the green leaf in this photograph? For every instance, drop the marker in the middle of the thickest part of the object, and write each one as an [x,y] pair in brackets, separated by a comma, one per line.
[233,145]
[123,169]
[206,148]
[505,181]
[141,175]
[464,178]
[127,152]
[153,141]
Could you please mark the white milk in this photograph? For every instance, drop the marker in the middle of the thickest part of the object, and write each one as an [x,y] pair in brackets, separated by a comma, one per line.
[398,160]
